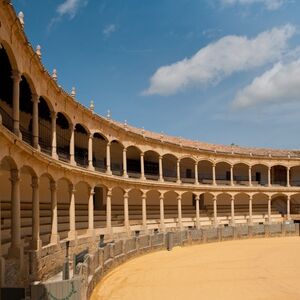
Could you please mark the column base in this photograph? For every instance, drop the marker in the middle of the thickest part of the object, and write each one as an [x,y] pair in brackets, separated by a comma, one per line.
[36,244]
[161,180]
[54,239]
[143,178]
[162,228]
[178,181]
[72,161]
[54,155]
[72,235]
[2,272]
[125,176]
[91,168]
[109,232]
[91,232]
[16,252]
[109,172]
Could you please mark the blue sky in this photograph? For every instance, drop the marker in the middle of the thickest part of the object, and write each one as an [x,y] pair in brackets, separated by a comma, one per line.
[220,71]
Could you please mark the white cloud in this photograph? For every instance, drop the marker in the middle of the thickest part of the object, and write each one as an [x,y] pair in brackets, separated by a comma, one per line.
[109,29]
[281,85]
[220,59]
[269,4]
[70,7]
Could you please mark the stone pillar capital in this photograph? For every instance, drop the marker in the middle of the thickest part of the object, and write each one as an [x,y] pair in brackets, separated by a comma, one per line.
[91,191]
[15,175]
[126,194]
[197,197]
[53,114]
[109,192]
[35,182]
[72,189]
[35,98]
[16,76]
[53,185]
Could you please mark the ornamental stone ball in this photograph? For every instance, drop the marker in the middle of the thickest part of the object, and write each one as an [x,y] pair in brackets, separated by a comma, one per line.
[54,74]
[21,18]
[38,51]
[73,92]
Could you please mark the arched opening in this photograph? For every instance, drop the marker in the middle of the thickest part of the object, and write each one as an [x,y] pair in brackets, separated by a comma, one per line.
[82,194]
[100,194]
[151,163]
[133,155]
[187,170]
[295,204]
[278,175]
[188,205]
[6,166]
[63,204]
[135,207]
[26,106]
[45,132]
[295,176]
[153,209]
[241,174]
[207,208]
[6,90]
[99,152]
[171,208]
[279,204]
[63,136]
[259,208]
[241,207]
[117,207]
[81,139]
[26,176]
[45,208]
[205,174]
[169,163]
[259,174]
[116,157]
[223,173]
[224,208]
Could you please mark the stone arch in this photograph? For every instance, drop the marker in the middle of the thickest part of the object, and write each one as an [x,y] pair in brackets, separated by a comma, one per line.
[223,172]
[205,171]
[81,141]
[135,206]
[241,173]
[116,157]
[187,169]
[100,198]
[169,162]
[99,151]
[117,206]
[133,157]
[151,162]
[259,174]
[63,135]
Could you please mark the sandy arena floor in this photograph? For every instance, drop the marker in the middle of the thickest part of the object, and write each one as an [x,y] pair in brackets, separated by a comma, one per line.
[243,269]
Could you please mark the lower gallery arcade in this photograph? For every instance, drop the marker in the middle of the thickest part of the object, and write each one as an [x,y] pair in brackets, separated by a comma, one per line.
[37,210]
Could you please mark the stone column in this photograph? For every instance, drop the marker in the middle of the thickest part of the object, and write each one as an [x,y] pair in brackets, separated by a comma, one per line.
[288,176]
[250,175]
[90,152]
[231,175]
[72,146]
[125,175]
[232,210]
[36,242]
[108,167]
[178,171]
[35,120]
[197,198]
[214,173]
[108,211]
[161,176]
[53,129]
[16,77]
[269,176]
[269,209]
[15,247]
[288,207]
[144,211]
[54,223]
[250,210]
[196,173]
[215,211]
[179,212]
[126,212]
[72,233]
[142,166]
[162,214]
[91,212]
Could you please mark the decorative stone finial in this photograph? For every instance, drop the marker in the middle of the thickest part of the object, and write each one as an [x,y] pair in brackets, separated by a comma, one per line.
[161,135]
[125,124]
[21,18]
[73,92]
[92,106]
[54,74]
[38,51]
[143,130]
[108,114]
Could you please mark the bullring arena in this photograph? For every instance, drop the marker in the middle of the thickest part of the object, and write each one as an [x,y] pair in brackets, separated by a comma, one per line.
[81,193]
